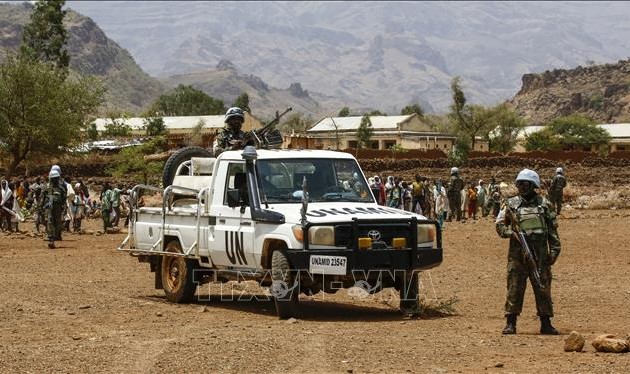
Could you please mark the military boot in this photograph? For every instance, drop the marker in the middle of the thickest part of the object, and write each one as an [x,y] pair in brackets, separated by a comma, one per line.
[510,326]
[546,328]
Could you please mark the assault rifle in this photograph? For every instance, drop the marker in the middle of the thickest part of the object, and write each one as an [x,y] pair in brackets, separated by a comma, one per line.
[528,255]
[266,136]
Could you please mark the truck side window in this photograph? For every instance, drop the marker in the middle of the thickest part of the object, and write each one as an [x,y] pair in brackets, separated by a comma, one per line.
[236,180]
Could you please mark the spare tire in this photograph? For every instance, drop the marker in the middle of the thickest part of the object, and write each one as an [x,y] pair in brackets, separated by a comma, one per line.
[182,155]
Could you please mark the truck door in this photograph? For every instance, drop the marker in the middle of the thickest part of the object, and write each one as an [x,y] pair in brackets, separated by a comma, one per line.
[234,230]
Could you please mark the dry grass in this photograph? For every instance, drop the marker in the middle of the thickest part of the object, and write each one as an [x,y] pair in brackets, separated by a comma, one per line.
[439,308]
[603,199]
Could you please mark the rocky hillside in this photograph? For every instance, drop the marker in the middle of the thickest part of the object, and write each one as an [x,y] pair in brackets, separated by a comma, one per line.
[226,83]
[601,92]
[91,53]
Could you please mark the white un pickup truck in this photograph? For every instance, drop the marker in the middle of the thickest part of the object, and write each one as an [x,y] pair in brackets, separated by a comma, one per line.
[297,221]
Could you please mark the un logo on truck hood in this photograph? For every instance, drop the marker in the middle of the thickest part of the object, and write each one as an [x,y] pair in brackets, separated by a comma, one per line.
[374,235]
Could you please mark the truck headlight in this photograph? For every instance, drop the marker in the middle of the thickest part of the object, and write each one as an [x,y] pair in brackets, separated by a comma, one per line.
[322,235]
[317,235]
[427,234]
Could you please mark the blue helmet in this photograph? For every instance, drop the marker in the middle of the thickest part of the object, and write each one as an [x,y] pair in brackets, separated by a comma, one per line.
[234,112]
[57,168]
[529,176]
[559,171]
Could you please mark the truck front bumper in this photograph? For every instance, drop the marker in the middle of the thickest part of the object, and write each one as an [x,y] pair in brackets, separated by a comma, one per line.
[410,257]
[385,259]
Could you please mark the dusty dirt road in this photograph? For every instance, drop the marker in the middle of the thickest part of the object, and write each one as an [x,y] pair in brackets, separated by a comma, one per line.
[83,307]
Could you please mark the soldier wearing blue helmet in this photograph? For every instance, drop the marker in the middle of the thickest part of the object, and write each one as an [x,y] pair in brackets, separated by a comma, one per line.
[537,221]
[556,189]
[231,137]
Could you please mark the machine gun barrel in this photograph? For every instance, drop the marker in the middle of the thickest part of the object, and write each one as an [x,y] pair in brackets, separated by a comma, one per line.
[259,137]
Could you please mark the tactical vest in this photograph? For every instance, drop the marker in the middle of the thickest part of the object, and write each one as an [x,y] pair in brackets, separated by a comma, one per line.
[55,193]
[530,218]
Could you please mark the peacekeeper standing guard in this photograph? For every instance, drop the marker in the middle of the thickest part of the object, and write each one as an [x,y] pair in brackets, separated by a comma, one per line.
[56,200]
[537,221]
[556,189]
[231,136]
[455,187]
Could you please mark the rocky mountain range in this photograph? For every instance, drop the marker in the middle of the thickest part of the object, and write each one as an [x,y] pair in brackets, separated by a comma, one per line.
[326,55]
[380,55]
[129,88]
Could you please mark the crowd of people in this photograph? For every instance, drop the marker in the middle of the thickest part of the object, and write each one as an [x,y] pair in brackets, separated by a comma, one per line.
[58,204]
[440,200]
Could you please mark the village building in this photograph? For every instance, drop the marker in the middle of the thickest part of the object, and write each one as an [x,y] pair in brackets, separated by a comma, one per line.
[408,132]
[620,136]
[179,128]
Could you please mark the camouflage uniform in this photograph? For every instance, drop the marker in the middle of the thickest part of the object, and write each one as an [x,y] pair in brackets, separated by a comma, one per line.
[455,186]
[558,183]
[56,200]
[538,221]
[224,139]
[106,207]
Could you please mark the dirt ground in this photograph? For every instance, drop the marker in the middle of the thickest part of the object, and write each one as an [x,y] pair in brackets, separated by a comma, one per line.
[84,307]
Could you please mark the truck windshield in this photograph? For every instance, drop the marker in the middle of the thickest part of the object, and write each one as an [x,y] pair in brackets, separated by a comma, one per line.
[327,180]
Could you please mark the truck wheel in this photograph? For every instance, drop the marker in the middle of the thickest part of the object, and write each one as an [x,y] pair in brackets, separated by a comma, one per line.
[177,275]
[285,288]
[184,154]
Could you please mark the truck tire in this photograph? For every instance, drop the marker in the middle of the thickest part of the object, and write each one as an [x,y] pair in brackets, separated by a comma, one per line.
[285,288]
[177,275]
[173,162]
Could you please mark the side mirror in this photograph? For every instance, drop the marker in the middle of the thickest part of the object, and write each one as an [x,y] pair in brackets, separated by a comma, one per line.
[233,198]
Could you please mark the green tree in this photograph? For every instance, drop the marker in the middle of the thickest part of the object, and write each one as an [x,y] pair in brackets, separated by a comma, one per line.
[411,109]
[576,131]
[297,123]
[337,138]
[543,140]
[243,102]
[396,148]
[470,120]
[44,37]
[507,127]
[377,113]
[344,112]
[130,161]
[154,126]
[459,154]
[570,132]
[196,135]
[186,101]
[117,127]
[440,123]
[92,132]
[40,110]
[364,132]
